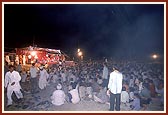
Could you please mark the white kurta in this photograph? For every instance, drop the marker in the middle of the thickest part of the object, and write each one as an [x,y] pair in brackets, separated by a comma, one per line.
[9,79]
[124,97]
[43,79]
[58,97]
[105,73]
[75,95]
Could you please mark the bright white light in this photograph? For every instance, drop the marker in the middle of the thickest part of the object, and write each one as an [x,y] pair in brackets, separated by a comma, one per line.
[155,56]
[78,50]
[29,56]
[35,57]
[33,53]
[79,53]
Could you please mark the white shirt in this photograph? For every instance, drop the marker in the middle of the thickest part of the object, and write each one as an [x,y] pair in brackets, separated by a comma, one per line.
[58,97]
[105,73]
[131,95]
[75,95]
[115,82]
[33,72]
[13,77]
[124,97]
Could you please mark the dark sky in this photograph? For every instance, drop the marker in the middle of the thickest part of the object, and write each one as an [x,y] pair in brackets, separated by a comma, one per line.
[111,30]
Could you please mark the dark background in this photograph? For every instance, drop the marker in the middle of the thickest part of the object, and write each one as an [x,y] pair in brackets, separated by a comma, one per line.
[109,30]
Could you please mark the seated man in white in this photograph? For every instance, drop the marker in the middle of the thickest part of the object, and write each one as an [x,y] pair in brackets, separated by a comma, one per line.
[58,96]
[74,95]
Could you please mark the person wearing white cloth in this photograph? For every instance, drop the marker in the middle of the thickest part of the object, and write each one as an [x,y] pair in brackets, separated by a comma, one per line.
[74,93]
[43,78]
[105,75]
[124,96]
[12,83]
[115,88]
[58,96]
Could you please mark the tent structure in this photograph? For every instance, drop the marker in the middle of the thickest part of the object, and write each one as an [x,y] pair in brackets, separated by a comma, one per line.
[31,54]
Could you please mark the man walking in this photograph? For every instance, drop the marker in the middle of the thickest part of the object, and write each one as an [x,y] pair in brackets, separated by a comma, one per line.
[12,83]
[115,88]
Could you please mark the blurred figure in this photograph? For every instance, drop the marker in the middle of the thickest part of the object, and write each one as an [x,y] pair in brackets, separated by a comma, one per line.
[58,96]
[152,88]
[33,78]
[74,95]
[12,83]
[18,67]
[82,90]
[160,92]
[135,105]
[124,96]
[145,96]
[6,68]
[101,96]
[23,76]
[105,75]
[43,78]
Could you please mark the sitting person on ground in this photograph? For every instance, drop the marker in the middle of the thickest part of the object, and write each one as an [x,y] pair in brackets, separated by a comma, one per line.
[145,96]
[102,96]
[95,86]
[160,92]
[124,96]
[58,96]
[135,104]
[152,89]
[73,94]
[89,90]
[82,90]
[131,94]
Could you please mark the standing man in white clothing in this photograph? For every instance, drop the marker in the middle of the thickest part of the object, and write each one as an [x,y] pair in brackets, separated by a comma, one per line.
[43,78]
[12,83]
[105,75]
[115,88]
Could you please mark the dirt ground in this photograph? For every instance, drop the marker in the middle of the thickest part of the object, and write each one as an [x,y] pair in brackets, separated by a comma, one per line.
[41,102]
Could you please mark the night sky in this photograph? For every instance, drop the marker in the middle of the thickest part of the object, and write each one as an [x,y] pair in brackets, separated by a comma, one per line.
[110,30]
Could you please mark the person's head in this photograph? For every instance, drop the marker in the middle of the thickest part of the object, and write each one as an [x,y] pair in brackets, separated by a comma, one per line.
[115,68]
[59,86]
[74,85]
[141,79]
[123,89]
[11,68]
[145,85]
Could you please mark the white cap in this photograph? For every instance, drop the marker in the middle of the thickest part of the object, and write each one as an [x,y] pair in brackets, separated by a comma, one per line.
[59,86]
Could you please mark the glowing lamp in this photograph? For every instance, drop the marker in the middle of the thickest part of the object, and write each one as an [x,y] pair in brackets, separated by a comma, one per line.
[79,53]
[33,53]
[35,57]
[78,50]
[155,56]
[29,56]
